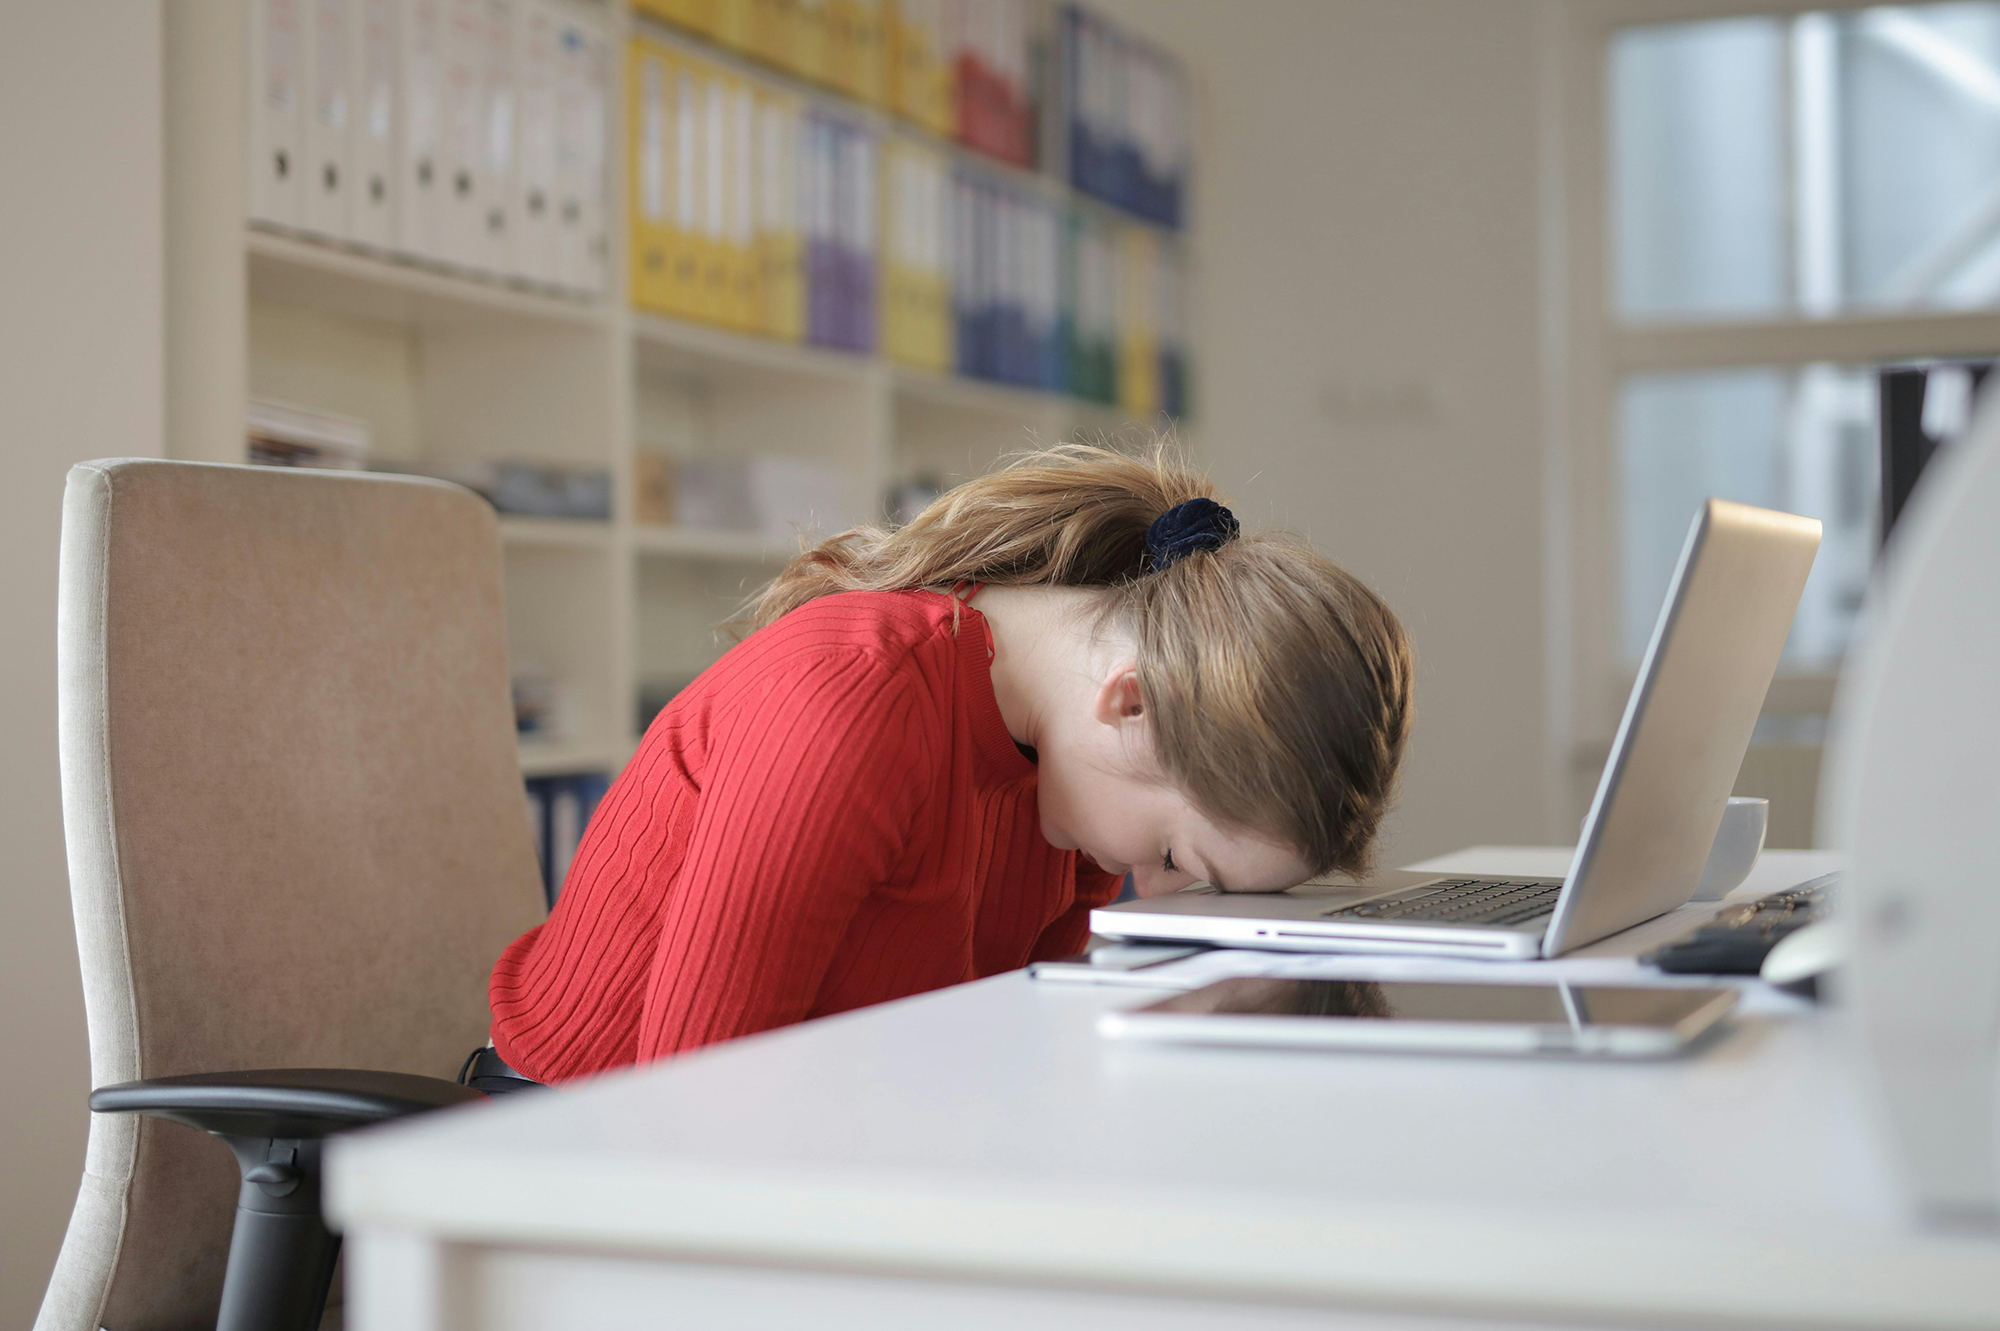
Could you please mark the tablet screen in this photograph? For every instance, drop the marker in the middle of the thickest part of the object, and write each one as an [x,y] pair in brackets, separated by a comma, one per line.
[1513,1004]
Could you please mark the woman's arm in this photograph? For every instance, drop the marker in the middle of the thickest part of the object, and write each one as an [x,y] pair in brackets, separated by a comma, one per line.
[806,806]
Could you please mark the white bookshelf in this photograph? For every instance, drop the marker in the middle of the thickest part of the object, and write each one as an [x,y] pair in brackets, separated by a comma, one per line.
[449,367]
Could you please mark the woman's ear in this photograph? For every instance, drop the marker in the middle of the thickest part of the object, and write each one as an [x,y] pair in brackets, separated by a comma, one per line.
[1118,701]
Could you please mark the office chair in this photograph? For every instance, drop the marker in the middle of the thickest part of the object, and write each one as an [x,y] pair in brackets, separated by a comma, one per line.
[297,841]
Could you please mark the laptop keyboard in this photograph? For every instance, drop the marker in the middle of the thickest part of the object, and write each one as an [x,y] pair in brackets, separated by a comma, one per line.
[1490,901]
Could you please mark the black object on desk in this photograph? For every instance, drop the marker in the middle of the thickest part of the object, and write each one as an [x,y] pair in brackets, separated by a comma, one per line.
[1743,933]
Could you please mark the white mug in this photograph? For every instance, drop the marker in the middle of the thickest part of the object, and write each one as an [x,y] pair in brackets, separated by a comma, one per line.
[1738,842]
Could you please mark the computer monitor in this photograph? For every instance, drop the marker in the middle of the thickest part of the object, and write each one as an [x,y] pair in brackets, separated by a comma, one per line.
[1925,406]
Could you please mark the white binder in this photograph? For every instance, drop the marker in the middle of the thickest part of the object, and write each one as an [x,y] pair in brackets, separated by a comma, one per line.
[582,94]
[464,133]
[536,195]
[493,240]
[421,170]
[277,111]
[372,122]
[325,181]
[596,233]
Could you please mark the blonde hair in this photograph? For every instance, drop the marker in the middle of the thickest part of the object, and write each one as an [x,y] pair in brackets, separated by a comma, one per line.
[1279,686]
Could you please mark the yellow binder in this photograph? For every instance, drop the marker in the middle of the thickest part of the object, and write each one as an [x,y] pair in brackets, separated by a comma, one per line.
[916,286]
[649,172]
[687,104]
[1138,328]
[805,53]
[735,21]
[740,305]
[769,28]
[704,110]
[920,83]
[854,48]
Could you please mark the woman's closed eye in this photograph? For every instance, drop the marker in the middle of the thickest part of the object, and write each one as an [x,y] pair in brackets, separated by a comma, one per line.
[1169,864]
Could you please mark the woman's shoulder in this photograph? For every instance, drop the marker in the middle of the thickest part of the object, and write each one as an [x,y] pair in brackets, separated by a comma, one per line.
[888,626]
[850,652]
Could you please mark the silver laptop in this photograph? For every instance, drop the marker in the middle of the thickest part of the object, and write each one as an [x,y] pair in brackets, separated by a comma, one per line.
[1682,739]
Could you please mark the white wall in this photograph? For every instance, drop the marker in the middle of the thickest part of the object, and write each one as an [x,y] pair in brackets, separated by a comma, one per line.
[1367,366]
[80,377]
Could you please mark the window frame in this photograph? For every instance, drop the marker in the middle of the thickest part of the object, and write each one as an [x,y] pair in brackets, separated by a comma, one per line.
[1588,351]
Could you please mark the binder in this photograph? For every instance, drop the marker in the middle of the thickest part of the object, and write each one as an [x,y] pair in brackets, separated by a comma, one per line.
[687,254]
[919,84]
[1171,317]
[805,53]
[1122,105]
[734,20]
[1017,263]
[1138,345]
[693,207]
[277,111]
[967,352]
[823,295]
[325,178]
[538,830]
[860,237]
[495,184]
[854,48]
[566,818]
[422,171]
[841,234]
[916,278]
[770,29]
[1091,369]
[780,246]
[712,153]
[649,139]
[371,48]
[991,68]
[583,90]
[536,193]
[1041,274]
[463,61]
[1008,327]
[1025,296]
[742,307]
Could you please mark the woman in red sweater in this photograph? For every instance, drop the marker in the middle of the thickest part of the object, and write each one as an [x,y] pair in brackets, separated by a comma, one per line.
[943,745]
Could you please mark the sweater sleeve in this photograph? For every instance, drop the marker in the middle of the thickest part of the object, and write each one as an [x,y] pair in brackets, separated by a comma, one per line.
[807,804]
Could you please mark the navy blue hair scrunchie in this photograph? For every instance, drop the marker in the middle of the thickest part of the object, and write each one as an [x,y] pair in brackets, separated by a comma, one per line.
[1199,524]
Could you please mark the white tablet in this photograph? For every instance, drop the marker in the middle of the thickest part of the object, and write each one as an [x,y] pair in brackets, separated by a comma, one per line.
[1599,1021]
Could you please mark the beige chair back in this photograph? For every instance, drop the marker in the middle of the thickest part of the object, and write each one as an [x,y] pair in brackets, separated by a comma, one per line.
[296,826]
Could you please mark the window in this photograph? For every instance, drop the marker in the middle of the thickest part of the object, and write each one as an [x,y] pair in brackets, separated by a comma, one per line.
[1766,169]
[1815,164]
[1762,210]
[1803,440]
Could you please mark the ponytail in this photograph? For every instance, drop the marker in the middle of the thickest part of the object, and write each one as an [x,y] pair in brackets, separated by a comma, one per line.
[1071,516]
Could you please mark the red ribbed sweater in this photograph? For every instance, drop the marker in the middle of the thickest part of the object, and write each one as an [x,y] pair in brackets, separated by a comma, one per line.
[832,815]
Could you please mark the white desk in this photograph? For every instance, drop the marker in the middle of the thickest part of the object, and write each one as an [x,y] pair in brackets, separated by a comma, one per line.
[977,1158]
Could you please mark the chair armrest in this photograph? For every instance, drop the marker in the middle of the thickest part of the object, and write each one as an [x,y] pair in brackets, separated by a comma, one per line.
[294,1103]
